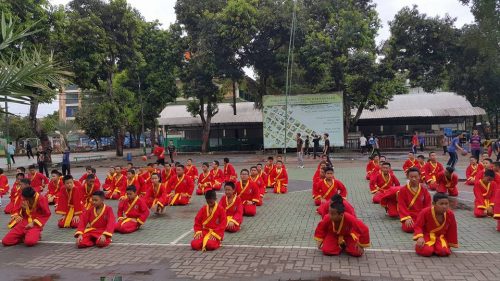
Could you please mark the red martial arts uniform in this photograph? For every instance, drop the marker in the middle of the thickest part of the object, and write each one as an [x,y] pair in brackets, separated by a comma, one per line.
[167,175]
[410,203]
[234,212]
[317,190]
[211,227]
[328,190]
[411,164]
[267,170]
[438,237]
[218,178]
[323,209]
[484,197]
[371,168]
[96,180]
[346,236]
[15,199]
[38,181]
[92,225]
[70,204]
[4,185]
[139,185]
[145,180]
[131,215]
[471,172]
[431,171]
[379,184]
[182,189]
[191,172]
[279,180]
[446,185]
[261,185]
[157,195]
[37,214]
[54,188]
[496,201]
[249,194]
[118,188]
[229,173]
[87,193]
[205,182]
[109,182]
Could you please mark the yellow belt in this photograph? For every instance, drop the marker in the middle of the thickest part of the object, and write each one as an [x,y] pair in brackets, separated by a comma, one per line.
[432,240]
[69,217]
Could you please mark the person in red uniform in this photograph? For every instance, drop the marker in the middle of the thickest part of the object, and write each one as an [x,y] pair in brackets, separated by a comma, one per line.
[70,203]
[133,179]
[340,231]
[268,168]
[248,192]
[4,184]
[90,171]
[323,209]
[205,180]
[159,152]
[209,225]
[262,175]
[259,182]
[484,193]
[97,224]
[180,188]
[157,196]
[447,182]
[322,165]
[410,162]
[144,177]
[233,206]
[279,178]
[411,199]
[15,194]
[472,170]
[436,228]
[34,213]
[89,186]
[167,173]
[217,176]
[373,166]
[229,171]
[317,188]
[38,180]
[331,186]
[382,182]
[431,169]
[132,212]
[496,201]
[191,170]
[119,185]
[55,184]
[110,179]
[421,163]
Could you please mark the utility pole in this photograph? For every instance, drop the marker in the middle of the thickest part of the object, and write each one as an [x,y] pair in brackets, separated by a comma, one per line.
[142,115]
[289,70]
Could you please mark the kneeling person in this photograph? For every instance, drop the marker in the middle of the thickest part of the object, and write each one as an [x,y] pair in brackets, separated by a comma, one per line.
[209,225]
[412,199]
[97,224]
[233,206]
[132,212]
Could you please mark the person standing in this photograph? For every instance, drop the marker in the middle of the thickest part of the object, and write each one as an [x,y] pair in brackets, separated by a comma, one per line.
[300,150]
[375,146]
[444,143]
[452,150]
[475,144]
[421,142]
[414,143]
[11,150]
[41,160]
[362,143]
[326,148]
[29,151]
[66,168]
[316,140]
[172,151]
[307,144]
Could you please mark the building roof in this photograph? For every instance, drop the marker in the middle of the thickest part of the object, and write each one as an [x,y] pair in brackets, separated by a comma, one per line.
[439,104]
[177,115]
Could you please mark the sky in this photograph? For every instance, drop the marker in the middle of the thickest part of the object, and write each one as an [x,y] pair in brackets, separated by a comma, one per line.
[163,10]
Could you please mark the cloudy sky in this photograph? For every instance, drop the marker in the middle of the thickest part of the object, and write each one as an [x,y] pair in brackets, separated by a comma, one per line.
[163,10]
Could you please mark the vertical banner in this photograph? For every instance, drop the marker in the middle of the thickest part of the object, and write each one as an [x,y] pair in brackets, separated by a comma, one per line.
[307,115]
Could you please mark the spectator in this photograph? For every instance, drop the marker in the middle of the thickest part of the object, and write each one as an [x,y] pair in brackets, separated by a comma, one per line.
[375,147]
[362,143]
[444,143]
[414,143]
[300,150]
[421,142]
[452,150]
[371,142]
[326,148]
[316,140]
[307,144]
[475,144]
[497,149]
[172,151]
[66,168]
[29,151]
[11,150]
[42,158]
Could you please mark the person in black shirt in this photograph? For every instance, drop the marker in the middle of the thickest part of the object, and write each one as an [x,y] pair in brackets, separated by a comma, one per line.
[316,140]
[326,148]
[307,144]
[171,151]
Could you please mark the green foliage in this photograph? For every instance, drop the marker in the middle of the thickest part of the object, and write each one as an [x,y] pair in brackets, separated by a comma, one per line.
[49,123]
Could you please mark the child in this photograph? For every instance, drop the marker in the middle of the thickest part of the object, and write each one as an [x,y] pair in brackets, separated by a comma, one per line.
[96,225]
[70,203]
[233,206]
[339,231]
[436,228]
[472,170]
[205,180]
[249,193]
[484,193]
[279,178]
[447,182]
[156,197]
[132,212]
[209,225]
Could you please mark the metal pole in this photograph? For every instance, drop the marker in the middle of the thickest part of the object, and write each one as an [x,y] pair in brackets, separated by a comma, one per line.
[289,68]
[142,115]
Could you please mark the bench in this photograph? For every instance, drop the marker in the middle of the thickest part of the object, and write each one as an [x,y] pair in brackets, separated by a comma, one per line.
[90,157]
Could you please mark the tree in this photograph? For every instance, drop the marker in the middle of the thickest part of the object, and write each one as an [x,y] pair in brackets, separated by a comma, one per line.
[93,119]
[102,41]
[64,129]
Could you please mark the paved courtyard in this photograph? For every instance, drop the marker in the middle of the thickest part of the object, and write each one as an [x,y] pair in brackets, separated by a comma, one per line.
[277,244]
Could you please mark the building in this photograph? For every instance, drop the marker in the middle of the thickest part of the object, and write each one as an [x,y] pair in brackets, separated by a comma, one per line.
[70,101]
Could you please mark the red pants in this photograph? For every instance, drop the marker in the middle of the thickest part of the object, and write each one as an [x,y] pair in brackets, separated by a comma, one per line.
[437,249]
[389,200]
[217,186]
[200,192]
[113,195]
[197,244]
[451,191]
[19,234]
[127,227]
[317,202]
[432,186]
[283,190]
[331,246]
[234,229]
[90,240]
[479,213]
[377,197]
[60,223]
[9,208]
[181,201]
[249,210]
[261,201]
[407,229]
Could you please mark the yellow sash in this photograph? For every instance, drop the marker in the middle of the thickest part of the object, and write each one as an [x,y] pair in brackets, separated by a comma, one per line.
[340,240]
[131,205]
[177,195]
[116,189]
[487,202]
[432,235]
[71,212]
[97,217]
[211,232]
[415,194]
[330,187]
[278,181]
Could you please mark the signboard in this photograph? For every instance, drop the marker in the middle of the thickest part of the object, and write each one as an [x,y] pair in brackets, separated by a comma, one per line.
[307,115]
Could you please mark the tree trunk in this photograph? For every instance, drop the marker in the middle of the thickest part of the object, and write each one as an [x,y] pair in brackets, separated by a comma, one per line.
[152,136]
[96,144]
[205,136]
[119,138]
[37,129]
[234,97]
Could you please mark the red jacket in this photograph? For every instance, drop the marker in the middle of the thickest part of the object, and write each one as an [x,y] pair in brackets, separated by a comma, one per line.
[445,184]
[349,227]
[38,181]
[234,209]
[249,192]
[191,171]
[38,213]
[157,195]
[210,223]
[432,170]
[410,203]
[135,209]
[4,184]
[97,224]
[381,183]
[426,225]
[70,203]
[410,164]
[230,173]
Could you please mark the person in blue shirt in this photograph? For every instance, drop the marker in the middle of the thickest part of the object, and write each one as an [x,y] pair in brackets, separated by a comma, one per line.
[66,167]
[452,150]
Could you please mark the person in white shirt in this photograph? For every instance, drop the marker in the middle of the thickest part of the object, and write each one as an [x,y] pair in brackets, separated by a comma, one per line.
[362,143]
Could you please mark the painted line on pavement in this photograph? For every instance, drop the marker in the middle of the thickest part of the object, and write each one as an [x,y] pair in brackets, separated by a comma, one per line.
[180,237]
[271,247]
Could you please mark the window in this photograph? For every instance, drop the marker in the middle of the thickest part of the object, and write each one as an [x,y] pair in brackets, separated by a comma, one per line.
[72,98]
[71,111]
